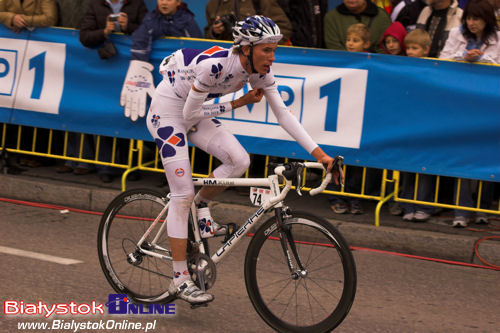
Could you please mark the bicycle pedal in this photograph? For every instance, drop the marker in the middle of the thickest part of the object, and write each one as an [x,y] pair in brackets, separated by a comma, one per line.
[199,305]
[230,229]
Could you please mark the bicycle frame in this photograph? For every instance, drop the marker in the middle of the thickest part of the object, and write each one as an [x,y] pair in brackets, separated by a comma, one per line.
[275,201]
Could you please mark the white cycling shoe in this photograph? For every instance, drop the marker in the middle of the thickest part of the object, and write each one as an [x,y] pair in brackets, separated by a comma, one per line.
[189,292]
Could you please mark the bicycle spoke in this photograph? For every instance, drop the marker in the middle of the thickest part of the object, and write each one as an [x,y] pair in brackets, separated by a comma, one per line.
[275,282]
[314,298]
[321,287]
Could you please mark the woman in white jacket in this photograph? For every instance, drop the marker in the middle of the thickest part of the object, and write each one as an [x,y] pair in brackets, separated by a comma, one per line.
[477,39]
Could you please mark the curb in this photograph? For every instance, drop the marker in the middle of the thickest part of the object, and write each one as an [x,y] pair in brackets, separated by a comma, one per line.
[408,241]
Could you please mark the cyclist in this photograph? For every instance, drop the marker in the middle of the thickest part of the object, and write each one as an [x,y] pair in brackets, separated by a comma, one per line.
[178,113]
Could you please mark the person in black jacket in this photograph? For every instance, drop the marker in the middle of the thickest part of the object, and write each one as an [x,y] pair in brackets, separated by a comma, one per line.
[106,16]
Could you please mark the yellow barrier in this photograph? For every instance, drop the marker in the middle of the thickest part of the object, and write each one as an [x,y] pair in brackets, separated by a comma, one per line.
[142,156]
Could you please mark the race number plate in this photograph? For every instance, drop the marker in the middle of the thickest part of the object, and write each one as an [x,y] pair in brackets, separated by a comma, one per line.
[259,195]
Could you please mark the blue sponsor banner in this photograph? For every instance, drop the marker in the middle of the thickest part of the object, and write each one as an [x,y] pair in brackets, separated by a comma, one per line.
[380,111]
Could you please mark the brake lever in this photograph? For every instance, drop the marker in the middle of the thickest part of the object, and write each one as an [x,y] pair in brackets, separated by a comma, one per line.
[339,163]
[299,180]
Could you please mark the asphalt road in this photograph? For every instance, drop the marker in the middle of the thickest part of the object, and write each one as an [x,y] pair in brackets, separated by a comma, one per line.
[394,294]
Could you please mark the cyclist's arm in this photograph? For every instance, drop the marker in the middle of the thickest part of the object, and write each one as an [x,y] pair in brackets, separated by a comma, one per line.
[194,108]
[288,121]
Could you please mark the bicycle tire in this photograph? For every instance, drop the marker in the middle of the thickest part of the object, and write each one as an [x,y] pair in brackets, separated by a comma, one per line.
[331,276]
[123,223]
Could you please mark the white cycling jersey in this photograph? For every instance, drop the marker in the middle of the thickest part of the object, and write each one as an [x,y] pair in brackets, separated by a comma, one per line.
[217,72]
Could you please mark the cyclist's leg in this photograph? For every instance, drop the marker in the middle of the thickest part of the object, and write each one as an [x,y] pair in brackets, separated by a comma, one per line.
[170,137]
[212,137]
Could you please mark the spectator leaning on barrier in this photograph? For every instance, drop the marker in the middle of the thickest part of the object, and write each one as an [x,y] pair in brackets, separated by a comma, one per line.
[103,17]
[222,15]
[438,19]
[170,18]
[477,39]
[355,11]
[17,14]
[417,43]
[393,39]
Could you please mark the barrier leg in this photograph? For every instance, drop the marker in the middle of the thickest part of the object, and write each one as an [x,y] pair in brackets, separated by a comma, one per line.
[379,206]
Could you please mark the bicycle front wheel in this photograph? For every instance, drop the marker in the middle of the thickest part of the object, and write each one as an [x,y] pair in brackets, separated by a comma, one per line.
[143,277]
[315,298]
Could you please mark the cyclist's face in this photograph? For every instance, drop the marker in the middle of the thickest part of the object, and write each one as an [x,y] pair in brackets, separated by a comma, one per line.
[263,56]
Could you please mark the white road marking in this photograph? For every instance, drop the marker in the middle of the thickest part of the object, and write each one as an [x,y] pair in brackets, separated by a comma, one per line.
[39,256]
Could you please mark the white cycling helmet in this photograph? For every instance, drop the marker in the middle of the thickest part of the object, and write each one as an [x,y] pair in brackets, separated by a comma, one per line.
[255,30]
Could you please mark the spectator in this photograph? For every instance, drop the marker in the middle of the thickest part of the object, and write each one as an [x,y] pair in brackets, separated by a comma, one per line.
[170,18]
[71,12]
[73,150]
[416,212]
[468,188]
[393,39]
[101,18]
[417,43]
[477,39]
[407,12]
[106,16]
[438,19]
[306,17]
[358,38]
[355,11]
[17,14]
[222,14]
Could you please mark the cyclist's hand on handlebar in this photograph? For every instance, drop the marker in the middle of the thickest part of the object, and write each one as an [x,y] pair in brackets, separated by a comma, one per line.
[337,174]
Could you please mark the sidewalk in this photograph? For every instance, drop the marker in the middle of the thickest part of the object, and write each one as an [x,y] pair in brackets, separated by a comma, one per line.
[435,239]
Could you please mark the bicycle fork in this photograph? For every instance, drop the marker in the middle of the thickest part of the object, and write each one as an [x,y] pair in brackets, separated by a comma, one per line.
[287,242]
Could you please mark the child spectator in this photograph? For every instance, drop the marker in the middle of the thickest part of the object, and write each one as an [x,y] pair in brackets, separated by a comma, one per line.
[477,39]
[18,15]
[170,18]
[393,39]
[358,38]
[417,43]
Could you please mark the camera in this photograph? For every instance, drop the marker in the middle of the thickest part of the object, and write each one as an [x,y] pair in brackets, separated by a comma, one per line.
[114,17]
[229,20]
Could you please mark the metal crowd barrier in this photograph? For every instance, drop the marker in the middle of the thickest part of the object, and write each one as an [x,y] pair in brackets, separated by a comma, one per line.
[140,155]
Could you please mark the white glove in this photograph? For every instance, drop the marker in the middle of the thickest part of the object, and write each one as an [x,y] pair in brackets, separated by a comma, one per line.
[138,83]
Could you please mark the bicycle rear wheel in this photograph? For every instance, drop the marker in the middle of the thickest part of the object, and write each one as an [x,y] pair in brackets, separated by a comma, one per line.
[315,299]
[142,277]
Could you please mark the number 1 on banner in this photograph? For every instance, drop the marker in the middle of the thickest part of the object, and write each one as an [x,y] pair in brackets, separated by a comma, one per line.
[38,63]
[259,195]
